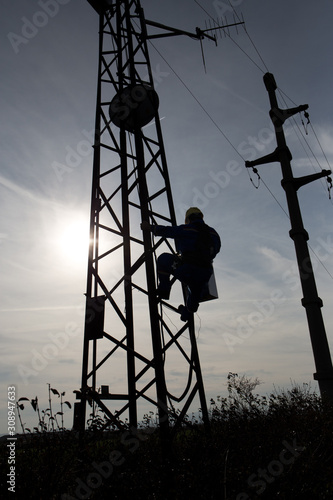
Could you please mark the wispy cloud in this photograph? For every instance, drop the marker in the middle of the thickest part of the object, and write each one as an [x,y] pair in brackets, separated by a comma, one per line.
[39,309]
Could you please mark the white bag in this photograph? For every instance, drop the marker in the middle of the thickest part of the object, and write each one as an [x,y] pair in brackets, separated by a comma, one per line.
[210,290]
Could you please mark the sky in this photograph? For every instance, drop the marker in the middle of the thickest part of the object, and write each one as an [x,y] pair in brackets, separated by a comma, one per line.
[212,121]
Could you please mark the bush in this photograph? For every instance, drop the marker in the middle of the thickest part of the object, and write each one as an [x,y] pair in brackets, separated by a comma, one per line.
[257,447]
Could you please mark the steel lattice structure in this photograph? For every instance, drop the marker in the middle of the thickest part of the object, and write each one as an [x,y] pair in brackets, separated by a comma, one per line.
[130,335]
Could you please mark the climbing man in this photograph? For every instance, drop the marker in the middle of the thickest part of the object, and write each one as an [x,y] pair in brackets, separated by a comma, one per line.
[197,245]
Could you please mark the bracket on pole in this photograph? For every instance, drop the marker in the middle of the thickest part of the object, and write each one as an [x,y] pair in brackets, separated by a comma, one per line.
[270,158]
[275,157]
[306,179]
[279,116]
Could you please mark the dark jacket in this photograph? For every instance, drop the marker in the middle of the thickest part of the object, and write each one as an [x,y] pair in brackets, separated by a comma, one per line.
[197,243]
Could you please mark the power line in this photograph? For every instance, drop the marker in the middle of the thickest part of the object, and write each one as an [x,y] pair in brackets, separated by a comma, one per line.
[254,46]
[266,68]
[277,201]
[301,135]
[314,132]
[219,128]
[237,45]
[196,99]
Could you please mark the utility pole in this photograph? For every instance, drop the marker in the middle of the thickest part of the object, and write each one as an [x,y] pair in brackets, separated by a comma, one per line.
[310,301]
[132,339]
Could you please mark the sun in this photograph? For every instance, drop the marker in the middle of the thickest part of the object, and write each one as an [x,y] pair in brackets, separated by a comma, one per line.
[73,240]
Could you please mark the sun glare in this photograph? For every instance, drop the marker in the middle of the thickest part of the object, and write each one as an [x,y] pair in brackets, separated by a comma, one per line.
[74,240]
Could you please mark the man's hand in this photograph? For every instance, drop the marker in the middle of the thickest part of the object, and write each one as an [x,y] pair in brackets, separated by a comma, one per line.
[145,226]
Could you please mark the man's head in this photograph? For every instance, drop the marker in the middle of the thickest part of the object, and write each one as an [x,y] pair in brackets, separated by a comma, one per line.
[192,214]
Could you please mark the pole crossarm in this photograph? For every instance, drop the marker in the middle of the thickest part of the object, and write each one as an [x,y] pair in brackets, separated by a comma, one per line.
[310,301]
[276,156]
[279,116]
[302,181]
[270,158]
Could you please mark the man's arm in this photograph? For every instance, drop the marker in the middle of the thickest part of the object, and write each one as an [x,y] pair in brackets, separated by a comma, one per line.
[145,226]
[164,231]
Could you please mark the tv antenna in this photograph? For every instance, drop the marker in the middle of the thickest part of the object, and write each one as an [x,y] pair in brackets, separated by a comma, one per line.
[199,34]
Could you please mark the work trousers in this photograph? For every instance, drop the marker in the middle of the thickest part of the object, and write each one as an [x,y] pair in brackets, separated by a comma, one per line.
[194,277]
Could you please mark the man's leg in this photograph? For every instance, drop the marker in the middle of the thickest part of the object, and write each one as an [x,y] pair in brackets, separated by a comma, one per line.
[196,286]
[166,265]
[195,278]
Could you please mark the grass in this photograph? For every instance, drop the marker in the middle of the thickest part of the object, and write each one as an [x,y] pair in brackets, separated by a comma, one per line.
[276,447]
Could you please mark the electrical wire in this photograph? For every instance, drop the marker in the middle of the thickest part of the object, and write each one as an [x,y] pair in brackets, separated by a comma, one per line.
[234,41]
[235,149]
[266,68]
[301,134]
[302,137]
[253,44]
[295,125]
[221,131]
[194,96]
[314,132]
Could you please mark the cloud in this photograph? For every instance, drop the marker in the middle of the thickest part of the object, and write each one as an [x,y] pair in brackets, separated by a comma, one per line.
[325,137]
[274,262]
[21,191]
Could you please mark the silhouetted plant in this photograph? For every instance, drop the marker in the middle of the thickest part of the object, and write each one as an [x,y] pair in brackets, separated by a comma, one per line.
[95,422]
[45,417]
[20,406]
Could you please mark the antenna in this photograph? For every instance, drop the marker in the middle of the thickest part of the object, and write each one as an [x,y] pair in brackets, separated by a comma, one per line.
[198,35]
[220,26]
